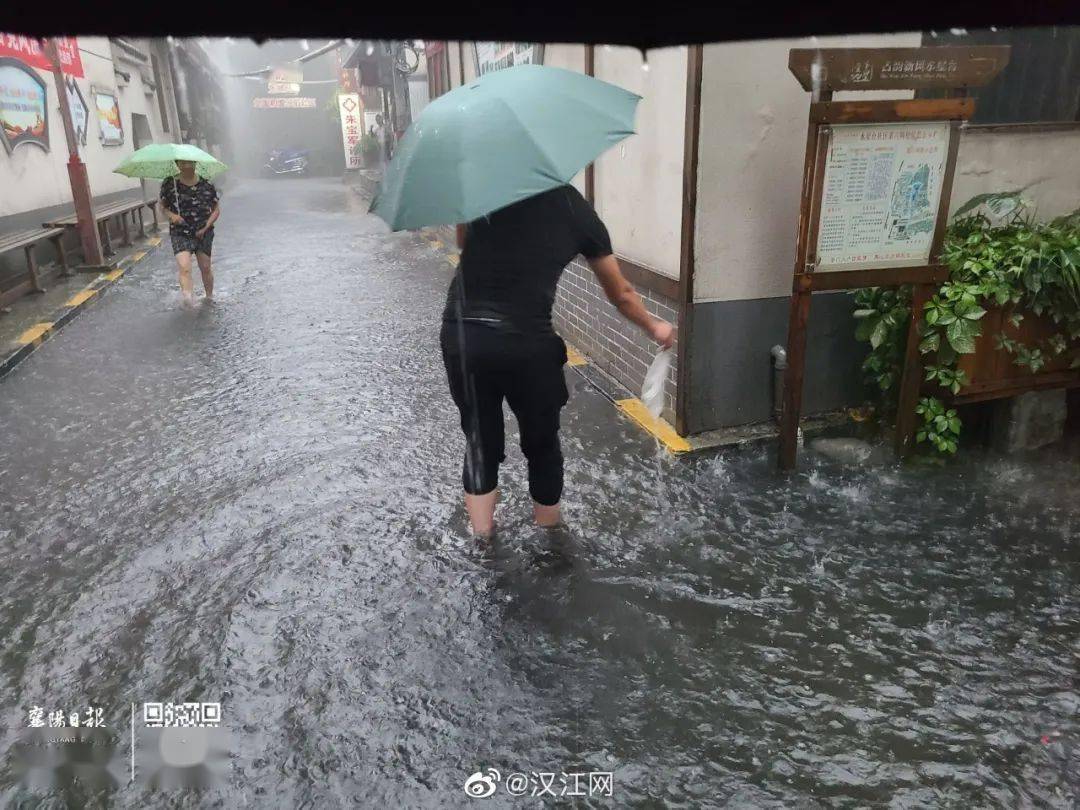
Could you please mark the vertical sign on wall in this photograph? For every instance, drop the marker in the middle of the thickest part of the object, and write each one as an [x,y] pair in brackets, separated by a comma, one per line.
[352,117]
[80,113]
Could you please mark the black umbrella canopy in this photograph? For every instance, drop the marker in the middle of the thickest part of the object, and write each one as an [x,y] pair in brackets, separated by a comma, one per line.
[643,26]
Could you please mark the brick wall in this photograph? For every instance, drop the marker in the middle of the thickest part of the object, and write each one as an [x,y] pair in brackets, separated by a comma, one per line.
[586,319]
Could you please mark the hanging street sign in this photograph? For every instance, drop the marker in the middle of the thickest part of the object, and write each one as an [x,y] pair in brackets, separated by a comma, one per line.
[352,117]
[283,103]
[283,88]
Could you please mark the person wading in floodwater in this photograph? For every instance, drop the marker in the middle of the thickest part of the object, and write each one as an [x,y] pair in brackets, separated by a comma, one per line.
[191,204]
[498,342]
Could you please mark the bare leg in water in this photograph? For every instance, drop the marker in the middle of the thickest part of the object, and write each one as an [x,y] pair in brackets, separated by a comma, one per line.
[547,516]
[207,275]
[183,263]
[481,509]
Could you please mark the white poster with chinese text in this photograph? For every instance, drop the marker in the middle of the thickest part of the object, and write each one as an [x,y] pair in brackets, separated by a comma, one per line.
[352,118]
[497,55]
[882,188]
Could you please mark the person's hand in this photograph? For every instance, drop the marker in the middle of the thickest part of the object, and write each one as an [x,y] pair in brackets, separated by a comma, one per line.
[662,332]
[176,219]
[199,234]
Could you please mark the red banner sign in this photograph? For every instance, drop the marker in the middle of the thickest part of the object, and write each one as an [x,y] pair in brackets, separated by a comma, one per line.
[28,49]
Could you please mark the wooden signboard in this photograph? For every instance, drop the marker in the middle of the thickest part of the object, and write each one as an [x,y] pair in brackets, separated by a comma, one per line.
[877,178]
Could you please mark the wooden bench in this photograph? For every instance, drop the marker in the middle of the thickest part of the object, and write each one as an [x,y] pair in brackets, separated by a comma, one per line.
[27,240]
[106,211]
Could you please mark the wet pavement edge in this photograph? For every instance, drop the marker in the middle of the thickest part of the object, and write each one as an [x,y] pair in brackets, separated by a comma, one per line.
[65,314]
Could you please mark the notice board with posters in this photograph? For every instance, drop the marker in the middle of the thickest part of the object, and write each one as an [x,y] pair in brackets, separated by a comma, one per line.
[877,177]
[110,126]
[880,195]
[24,115]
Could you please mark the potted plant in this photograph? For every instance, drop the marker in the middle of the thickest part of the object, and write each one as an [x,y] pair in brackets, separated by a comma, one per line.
[1007,320]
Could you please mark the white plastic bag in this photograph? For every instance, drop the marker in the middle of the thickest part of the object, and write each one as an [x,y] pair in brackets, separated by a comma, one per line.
[652,391]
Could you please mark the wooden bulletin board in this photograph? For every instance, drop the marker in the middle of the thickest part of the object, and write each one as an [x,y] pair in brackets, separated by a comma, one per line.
[877,178]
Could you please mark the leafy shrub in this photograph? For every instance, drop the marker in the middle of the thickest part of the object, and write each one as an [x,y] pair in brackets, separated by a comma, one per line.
[998,256]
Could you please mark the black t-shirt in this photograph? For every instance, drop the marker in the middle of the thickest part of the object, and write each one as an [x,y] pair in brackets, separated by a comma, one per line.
[513,258]
[196,202]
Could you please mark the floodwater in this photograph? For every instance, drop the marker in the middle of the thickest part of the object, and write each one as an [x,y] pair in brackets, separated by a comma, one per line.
[257,503]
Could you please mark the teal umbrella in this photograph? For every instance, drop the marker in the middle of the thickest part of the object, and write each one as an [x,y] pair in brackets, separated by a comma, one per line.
[508,135]
[158,161]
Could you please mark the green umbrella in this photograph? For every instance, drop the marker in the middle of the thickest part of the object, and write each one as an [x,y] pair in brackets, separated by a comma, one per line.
[508,135]
[158,161]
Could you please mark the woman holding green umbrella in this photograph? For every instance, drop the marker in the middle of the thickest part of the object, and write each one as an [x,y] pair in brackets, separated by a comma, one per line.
[495,157]
[191,204]
[189,200]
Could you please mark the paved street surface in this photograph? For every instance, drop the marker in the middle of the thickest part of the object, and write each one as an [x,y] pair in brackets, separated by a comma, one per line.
[257,503]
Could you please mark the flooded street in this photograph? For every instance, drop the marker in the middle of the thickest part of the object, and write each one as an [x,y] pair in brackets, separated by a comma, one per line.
[258,502]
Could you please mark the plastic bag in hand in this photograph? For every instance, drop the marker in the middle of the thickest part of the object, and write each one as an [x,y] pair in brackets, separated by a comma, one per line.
[652,391]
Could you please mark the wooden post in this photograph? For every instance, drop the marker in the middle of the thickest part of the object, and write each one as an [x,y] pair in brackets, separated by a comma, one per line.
[61,251]
[106,239]
[77,175]
[124,229]
[799,308]
[31,263]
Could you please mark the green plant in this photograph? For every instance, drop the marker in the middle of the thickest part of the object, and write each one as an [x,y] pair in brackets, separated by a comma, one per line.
[998,256]
[940,427]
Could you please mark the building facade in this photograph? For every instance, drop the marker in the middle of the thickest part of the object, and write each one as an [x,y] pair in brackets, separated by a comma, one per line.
[703,202]
[125,93]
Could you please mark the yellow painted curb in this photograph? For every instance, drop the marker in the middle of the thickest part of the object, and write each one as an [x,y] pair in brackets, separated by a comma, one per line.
[80,298]
[454,260]
[138,257]
[155,241]
[35,334]
[574,357]
[115,274]
[636,410]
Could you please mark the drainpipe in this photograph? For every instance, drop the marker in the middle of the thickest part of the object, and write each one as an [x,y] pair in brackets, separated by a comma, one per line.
[779,364]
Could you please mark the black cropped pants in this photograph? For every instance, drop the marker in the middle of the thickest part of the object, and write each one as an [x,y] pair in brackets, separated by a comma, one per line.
[484,366]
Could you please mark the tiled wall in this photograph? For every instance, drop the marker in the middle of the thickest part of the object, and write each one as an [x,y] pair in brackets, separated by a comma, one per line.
[586,319]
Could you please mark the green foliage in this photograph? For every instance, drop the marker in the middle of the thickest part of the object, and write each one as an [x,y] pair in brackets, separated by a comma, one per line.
[998,258]
[940,427]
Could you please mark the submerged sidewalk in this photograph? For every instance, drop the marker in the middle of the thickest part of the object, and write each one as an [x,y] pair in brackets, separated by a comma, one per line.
[35,317]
